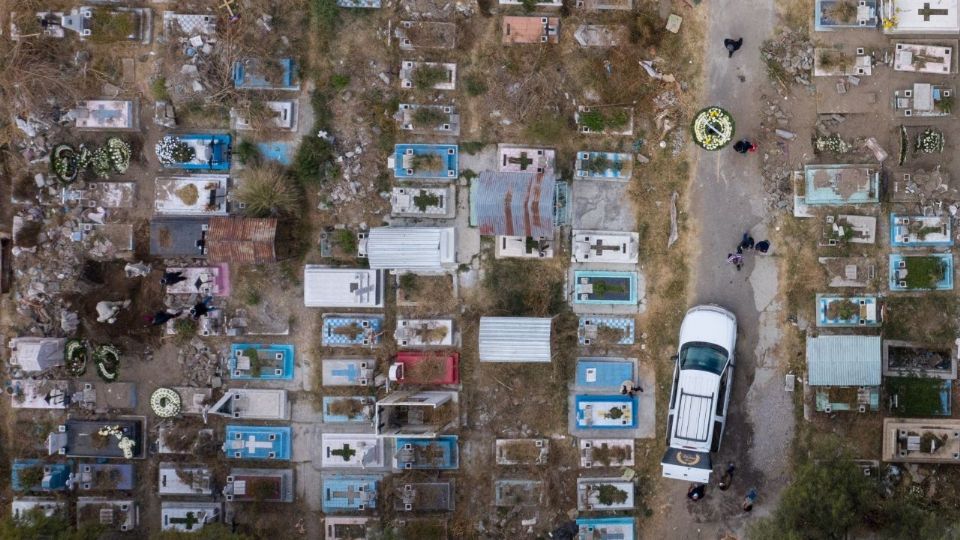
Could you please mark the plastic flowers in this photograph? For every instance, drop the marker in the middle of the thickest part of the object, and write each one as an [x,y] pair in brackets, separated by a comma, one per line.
[171,150]
[118,151]
[67,162]
[712,128]
[107,360]
[165,402]
[126,444]
[929,142]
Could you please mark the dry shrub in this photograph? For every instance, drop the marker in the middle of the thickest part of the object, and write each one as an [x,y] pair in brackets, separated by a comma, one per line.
[268,192]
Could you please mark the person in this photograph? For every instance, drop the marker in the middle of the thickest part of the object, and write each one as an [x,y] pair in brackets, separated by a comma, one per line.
[172,278]
[629,388]
[747,241]
[736,260]
[727,477]
[732,45]
[749,500]
[161,317]
[762,246]
[201,308]
[696,492]
[743,146]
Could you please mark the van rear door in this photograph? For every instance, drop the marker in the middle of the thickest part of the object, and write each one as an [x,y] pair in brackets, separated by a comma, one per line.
[687,465]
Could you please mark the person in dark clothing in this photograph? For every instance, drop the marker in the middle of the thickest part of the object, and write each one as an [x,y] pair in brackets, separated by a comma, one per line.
[161,317]
[696,492]
[749,500]
[743,146]
[746,242]
[762,246]
[732,45]
[172,278]
[201,308]
[727,477]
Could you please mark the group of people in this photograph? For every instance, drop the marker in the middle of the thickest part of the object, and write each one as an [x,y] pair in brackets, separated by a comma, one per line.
[698,491]
[198,310]
[747,243]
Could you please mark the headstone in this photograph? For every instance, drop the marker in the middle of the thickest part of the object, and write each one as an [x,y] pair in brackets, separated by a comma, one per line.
[673,23]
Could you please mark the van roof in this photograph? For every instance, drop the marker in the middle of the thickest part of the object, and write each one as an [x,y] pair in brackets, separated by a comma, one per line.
[695,406]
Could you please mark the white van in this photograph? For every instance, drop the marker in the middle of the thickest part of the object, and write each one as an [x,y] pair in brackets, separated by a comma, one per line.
[700,396]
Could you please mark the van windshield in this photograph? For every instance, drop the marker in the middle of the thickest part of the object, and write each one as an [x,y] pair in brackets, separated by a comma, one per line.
[703,356]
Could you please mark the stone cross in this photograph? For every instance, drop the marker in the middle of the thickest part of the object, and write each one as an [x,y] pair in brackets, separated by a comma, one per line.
[926,11]
[523,161]
[350,494]
[189,521]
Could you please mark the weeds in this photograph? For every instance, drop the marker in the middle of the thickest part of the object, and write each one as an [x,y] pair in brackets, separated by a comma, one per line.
[246,152]
[547,129]
[186,329]
[339,82]
[474,84]
[314,162]
[472,147]
[347,241]
[158,87]
[427,76]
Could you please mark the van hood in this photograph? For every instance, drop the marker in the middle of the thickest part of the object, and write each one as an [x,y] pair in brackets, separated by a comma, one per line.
[710,325]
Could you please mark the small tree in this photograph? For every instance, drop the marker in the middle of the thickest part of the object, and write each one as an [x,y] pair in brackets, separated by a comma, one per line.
[827,498]
[30,477]
[608,494]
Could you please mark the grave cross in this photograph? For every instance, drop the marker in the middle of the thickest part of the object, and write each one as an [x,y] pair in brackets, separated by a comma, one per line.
[188,521]
[351,494]
[523,161]
[926,11]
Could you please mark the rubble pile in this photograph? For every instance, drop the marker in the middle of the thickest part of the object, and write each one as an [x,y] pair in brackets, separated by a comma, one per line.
[775,168]
[199,365]
[792,54]
[47,276]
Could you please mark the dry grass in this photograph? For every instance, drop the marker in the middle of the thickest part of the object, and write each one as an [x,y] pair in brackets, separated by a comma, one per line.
[268,192]
[796,14]
[802,274]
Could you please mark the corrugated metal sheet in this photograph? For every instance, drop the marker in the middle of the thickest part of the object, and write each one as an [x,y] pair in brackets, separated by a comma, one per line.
[242,240]
[514,339]
[515,204]
[405,248]
[843,361]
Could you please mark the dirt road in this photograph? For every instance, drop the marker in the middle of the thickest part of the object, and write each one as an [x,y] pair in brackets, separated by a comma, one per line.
[727,200]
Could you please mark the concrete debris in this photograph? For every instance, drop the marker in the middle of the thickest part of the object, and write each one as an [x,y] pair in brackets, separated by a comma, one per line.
[199,364]
[69,322]
[647,66]
[784,134]
[674,232]
[789,57]
[135,270]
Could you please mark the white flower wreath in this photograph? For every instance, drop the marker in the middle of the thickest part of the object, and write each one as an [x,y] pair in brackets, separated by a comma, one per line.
[165,402]
[713,128]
